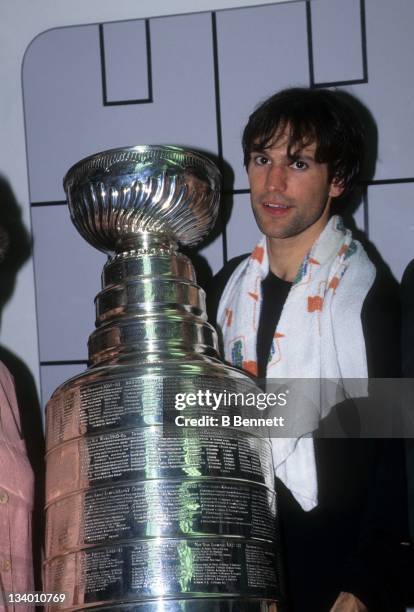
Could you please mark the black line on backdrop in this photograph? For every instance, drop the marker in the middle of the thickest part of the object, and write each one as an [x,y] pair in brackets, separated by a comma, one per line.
[236,191]
[149,58]
[218,114]
[50,203]
[310,43]
[102,56]
[217,86]
[65,362]
[364,53]
[395,181]
[147,100]
[364,41]
[339,83]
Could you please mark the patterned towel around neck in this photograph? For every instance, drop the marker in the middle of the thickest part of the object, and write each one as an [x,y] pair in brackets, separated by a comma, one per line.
[319,334]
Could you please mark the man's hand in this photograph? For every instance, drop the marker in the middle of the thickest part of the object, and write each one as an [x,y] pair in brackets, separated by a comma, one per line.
[347,602]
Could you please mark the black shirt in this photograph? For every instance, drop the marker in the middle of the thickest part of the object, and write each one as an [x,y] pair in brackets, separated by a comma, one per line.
[274,294]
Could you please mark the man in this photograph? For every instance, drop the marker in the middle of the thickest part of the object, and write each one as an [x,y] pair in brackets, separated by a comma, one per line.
[308,303]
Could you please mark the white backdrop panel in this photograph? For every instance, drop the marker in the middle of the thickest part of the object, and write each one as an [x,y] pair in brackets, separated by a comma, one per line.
[65,116]
[67,279]
[389,91]
[391,223]
[242,231]
[336,37]
[126,60]
[261,50]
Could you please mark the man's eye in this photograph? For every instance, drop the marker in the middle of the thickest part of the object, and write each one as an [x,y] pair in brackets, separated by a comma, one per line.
[299,164]
[261,160]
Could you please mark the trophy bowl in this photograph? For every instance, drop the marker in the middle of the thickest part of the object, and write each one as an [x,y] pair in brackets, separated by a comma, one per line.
[118,195]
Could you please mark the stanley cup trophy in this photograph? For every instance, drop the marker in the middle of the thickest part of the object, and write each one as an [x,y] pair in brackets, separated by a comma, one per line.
[143,515]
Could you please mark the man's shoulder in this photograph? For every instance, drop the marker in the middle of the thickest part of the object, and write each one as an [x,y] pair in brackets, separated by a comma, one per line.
[218,284]
[227,270]
[381,323]
[384,295]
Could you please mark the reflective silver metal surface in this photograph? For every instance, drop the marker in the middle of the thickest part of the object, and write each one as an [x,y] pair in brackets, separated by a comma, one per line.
[157,189]
[200,605]
[143,515]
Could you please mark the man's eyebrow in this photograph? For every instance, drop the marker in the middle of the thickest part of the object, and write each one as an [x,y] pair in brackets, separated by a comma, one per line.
[255,151]
[298,154]
[301,155]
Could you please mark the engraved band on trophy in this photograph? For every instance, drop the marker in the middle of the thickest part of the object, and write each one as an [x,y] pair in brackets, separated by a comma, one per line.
[138,520]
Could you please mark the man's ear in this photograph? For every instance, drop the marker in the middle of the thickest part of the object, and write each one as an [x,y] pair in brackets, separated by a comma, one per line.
[336,189]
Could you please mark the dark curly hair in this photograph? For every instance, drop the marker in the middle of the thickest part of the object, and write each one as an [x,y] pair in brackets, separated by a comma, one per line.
[311,115]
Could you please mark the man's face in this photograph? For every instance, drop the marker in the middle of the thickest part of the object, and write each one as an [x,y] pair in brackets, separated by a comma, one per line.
[290,195]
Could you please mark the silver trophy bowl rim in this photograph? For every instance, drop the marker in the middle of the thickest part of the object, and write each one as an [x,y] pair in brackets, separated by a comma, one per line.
[145,148]
[116,168]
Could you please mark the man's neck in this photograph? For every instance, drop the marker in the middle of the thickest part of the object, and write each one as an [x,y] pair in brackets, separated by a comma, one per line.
[286,254]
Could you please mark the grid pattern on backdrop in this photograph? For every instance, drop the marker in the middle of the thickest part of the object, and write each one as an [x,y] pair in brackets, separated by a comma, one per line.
[192,80]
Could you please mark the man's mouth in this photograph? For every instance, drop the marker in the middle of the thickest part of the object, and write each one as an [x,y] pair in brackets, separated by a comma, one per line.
[275,205]
[275,208]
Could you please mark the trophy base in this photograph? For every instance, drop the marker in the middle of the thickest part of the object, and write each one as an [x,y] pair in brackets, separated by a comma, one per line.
[195,605]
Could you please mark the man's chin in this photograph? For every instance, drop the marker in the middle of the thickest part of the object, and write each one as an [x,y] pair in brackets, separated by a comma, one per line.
[283,228]
[277,231]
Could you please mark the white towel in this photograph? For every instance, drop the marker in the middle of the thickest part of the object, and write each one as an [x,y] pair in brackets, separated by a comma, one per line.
[319,334]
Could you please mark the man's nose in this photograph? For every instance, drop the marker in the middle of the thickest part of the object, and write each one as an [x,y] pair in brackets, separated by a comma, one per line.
[276,178]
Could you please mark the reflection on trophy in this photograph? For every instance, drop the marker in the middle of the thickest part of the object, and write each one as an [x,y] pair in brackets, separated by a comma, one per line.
[141,514]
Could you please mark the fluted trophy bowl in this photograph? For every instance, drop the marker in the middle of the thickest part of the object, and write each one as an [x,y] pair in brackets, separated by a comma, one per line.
[117,195]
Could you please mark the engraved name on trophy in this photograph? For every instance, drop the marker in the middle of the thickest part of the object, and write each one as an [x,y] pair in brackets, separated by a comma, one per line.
[137,519]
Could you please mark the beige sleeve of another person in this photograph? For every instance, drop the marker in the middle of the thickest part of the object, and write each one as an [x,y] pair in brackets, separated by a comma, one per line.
[16,498]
